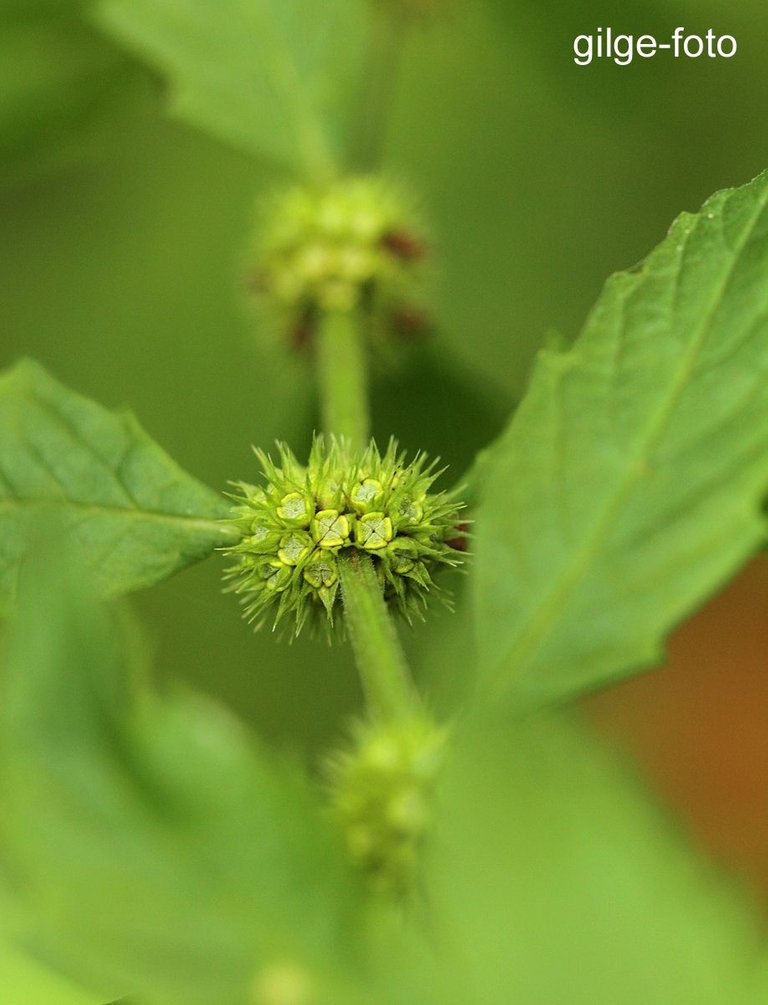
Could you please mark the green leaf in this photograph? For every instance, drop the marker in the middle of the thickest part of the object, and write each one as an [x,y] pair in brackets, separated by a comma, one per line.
[628,485]
[24,982]
[554,879]
[153,847]
[270,76]
[137,516]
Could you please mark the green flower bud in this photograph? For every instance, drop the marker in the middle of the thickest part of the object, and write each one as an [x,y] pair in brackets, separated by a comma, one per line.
[295,510]
[402,554]
[294,547]
[367,495]
[354,244]
[276,576]
[330,529]
[286,561]
[262,540]
[373,531]
[321,570]
[380,792]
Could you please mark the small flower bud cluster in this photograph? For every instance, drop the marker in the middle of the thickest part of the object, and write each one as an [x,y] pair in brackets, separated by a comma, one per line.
[351,245]
[295,526]
[380,793]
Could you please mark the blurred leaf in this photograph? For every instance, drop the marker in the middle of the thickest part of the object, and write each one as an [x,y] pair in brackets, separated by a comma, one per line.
[554,881]
[60,82]
[137,516]
[152,846]
[628,484]
[271,76]
[28,10]
[24,982]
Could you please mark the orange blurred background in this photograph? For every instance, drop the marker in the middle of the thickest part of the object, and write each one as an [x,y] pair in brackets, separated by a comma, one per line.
[697,726]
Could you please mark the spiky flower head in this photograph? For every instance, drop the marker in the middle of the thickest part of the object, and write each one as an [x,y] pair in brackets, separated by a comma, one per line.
[296,525]
[353,244]
[380,794]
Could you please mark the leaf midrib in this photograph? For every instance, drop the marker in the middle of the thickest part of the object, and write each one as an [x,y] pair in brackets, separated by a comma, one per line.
[539,625]
[122,512]
[284,71]
[133,511]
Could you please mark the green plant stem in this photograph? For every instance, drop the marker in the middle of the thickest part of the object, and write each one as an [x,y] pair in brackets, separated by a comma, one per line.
[389,690]
[342,373]
[342,377]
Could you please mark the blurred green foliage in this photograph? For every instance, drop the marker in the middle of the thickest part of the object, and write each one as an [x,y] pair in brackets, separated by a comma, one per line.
[149,842]
[27,983]
[63,85]
[167,851]
[264,76]
[570,889]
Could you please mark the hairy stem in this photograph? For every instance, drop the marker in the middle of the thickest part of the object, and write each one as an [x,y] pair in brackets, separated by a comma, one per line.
[386,680]
[342,373]
[342,377]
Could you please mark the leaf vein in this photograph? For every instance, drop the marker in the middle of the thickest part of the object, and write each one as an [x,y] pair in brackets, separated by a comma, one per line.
[539,623]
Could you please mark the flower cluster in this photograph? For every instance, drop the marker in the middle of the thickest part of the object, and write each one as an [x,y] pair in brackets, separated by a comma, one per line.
[353,244]
[380,793]
[295,527]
